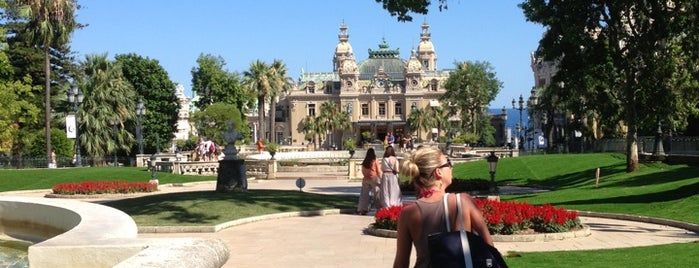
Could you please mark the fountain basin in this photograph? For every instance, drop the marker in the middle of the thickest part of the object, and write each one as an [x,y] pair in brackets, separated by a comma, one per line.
[69,233]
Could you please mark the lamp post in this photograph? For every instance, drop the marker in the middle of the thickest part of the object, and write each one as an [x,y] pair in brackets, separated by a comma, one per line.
[492,165]
[520,108]
[114,129]
[75,96]
[140,111]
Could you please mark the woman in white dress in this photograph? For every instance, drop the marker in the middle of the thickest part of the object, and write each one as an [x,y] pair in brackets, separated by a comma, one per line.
[390,188]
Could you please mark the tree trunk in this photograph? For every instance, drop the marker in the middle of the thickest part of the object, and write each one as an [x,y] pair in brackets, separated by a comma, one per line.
[47,100]
[631,133]
[260,118]
[272,119]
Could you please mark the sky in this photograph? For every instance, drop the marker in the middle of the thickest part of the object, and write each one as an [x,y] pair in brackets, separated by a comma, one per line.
[304,33]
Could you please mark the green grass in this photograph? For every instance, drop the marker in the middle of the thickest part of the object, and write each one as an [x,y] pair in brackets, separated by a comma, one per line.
[656,189]
[31,179]
[211,208]
[674,255]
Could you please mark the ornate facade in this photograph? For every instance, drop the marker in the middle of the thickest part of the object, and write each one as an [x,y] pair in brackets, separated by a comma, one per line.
[377,93]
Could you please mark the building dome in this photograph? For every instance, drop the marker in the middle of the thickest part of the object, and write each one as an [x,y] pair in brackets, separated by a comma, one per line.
[343,48]
[425,46]
[385,58]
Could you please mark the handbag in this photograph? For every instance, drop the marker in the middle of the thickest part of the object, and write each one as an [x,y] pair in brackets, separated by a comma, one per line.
[461,248]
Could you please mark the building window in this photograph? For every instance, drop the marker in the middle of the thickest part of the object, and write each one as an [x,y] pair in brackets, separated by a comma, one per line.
[365,109]
[311,109]
[434,85]
[399,108]
[311,87]
[382,108]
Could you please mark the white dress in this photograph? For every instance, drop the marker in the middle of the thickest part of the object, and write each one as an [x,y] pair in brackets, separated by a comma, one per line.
[390,188]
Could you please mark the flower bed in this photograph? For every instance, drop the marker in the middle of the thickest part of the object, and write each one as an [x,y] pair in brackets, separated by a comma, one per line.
[504,218]
[103,187]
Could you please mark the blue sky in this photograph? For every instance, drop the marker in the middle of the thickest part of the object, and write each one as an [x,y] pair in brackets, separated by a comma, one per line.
[303,34]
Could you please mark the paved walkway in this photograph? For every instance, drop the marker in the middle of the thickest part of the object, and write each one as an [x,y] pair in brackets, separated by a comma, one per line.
[340,240]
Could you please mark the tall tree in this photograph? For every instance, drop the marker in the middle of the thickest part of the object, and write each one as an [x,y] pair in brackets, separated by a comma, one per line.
[280,83]
[50,23]
[152,84]
[469,90]
[256,81]
[106,109]
[647,48]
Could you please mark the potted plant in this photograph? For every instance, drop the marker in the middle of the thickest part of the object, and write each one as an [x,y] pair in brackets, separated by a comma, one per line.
[366,138]
[350,145]
[272,148]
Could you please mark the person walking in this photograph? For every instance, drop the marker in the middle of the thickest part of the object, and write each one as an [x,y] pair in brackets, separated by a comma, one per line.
[259,146]
[390,187]
[431,173]
[370,183]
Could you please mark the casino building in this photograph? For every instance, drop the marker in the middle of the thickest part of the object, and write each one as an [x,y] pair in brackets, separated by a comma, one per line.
[378,93]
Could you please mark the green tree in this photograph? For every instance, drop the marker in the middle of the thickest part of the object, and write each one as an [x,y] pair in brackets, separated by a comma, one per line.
[152,84]
[280,83]
[256,80]
[647,50]
[310,126]
[214,121]
[469,90]
[332,118]
[107,108]
[214,84]
[49,24]
[419,121]
[402,8]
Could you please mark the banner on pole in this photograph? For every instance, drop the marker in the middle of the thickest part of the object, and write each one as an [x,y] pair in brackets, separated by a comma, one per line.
[71,126]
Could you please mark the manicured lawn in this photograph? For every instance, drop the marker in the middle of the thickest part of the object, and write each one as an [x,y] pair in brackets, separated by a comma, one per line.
[211,208]
[673,255]
[31,179]
[656,189]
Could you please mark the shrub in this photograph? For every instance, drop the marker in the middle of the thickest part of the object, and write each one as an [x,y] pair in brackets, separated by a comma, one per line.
[103,187]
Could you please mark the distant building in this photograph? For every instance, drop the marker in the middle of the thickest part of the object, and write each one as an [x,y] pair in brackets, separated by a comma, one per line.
[378,93]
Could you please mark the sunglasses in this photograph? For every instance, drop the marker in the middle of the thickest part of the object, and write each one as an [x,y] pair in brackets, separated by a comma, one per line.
[447,164]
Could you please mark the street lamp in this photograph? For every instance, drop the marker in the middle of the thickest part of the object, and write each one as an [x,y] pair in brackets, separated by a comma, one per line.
[114,129]
[492,165]
[140,111]
[75,96]
[520,108]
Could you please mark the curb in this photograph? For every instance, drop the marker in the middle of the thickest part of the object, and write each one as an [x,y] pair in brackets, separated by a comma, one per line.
[628,217]
[504,238]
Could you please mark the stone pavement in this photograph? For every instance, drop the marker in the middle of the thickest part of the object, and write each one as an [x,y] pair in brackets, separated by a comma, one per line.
[340,240]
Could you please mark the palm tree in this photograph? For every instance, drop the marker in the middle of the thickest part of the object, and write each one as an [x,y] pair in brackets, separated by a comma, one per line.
[108,105]
[419,121]
[280,84]
[329,114]
[256,80]
[50,23]
[310,126]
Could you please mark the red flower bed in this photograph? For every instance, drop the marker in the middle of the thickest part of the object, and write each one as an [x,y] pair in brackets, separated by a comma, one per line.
[387,218]
[511,217]
[103,187]
[503,217]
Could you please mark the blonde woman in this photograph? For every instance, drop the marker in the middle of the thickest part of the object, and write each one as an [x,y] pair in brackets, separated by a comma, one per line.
[430,171]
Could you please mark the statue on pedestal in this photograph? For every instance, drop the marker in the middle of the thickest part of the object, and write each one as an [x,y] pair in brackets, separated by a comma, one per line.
[231,170]
[231,136]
